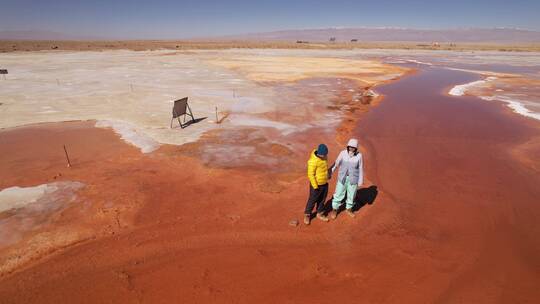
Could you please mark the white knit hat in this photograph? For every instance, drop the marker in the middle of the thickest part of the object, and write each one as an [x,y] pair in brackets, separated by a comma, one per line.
[353,142]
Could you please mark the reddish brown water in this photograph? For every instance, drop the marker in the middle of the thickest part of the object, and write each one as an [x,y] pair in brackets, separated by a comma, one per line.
[464,201]
[454,220]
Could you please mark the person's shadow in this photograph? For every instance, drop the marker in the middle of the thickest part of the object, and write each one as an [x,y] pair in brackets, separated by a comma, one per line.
[364,196]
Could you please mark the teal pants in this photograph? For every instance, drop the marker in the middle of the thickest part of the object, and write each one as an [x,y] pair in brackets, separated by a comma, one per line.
[339,195]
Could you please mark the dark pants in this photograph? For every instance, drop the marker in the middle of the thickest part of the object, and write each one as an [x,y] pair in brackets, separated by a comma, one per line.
[316,196]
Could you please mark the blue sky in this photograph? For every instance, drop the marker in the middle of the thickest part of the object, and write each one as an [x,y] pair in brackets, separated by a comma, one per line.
[162,19]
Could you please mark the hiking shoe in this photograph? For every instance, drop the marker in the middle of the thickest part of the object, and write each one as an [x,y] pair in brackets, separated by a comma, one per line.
[307,219]
[322,217]
[333,214]
[350,212]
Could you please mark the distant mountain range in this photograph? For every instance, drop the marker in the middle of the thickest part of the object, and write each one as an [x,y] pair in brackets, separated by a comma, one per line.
[482,35]
[366,34]
[42,35]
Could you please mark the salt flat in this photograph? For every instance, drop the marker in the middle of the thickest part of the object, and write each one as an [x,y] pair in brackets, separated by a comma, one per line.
[134,91]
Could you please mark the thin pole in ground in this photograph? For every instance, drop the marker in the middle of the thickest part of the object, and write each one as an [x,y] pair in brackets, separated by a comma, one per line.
[217,120]
[67,157]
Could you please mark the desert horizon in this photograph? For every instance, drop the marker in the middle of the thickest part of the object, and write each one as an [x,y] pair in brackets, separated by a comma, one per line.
[7,46]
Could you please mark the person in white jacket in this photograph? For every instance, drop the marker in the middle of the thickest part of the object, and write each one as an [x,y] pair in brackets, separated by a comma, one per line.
[350,177]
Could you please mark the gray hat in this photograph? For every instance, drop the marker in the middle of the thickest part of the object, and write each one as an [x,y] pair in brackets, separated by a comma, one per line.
[353,142]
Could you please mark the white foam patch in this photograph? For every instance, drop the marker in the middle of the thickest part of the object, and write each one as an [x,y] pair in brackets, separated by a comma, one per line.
[461,89]
[518,106]
[130,134]
[28,208]
[371,93]
[18,197]
[418,62]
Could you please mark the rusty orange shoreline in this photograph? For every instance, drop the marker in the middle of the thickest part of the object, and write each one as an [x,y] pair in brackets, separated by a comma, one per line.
[454,218]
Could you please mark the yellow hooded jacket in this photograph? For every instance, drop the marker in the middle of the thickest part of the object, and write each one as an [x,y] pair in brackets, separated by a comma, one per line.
[317,170]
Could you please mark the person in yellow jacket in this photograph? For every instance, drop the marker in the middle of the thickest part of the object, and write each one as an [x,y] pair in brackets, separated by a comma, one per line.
[317,171]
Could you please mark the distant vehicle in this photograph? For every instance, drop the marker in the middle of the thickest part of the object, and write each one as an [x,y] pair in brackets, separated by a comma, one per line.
[354,40]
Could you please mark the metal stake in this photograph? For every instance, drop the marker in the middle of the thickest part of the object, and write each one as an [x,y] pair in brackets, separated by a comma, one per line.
[67,157]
